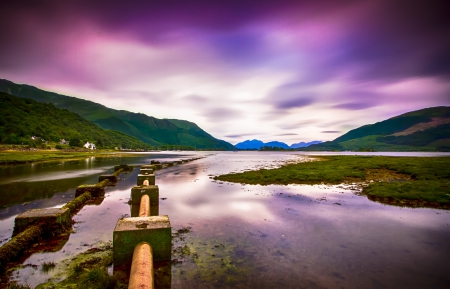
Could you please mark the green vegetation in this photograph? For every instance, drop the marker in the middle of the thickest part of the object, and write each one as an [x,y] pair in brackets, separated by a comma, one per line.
[48,266]
[88,270]
[14,285]
[23,157]
[153,131]
[422,130]
[415,181]
[24,119]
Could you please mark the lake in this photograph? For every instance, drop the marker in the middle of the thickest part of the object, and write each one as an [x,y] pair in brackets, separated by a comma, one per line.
[244,236]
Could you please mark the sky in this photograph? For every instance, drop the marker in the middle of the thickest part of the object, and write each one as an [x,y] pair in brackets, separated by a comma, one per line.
[270,70]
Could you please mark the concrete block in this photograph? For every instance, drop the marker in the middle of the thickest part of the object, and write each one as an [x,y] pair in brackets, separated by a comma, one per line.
[142,178]
[129,232]
[158,166]
[138,191]
[125,167]
[111,178]
[95,190]
[147,167]
[53,221]
[146,171]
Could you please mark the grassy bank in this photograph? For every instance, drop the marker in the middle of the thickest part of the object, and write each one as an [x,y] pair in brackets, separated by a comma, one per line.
[23,157]
[408,181]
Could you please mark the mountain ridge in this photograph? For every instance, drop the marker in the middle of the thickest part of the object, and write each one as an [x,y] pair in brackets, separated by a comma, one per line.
[258,144]
[151,130]
[425,129]
[26,121]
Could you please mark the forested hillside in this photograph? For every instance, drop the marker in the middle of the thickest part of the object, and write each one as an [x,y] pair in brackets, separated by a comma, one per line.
[21,119]
[151,130]
[421,130]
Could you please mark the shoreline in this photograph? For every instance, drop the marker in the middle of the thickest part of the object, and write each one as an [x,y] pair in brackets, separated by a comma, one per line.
[416,182]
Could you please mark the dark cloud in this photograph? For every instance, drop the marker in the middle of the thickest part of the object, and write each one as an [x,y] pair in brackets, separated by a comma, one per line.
[330,131]
[290,95]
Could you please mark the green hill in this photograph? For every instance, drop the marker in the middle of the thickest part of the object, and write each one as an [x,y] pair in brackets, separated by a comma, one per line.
[421,130]
[22,118]
[153,131]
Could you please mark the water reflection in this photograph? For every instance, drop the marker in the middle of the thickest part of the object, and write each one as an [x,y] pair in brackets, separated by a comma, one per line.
[271,236]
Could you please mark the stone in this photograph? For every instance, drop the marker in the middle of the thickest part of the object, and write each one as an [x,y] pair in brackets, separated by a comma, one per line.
[158,166]
[142,178]
[53,221]
[129,232]
[138,191]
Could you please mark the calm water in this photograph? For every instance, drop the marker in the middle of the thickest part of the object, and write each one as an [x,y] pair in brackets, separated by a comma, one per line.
[244,236]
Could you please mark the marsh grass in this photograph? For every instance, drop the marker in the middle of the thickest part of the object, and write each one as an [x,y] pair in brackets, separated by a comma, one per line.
[14,285]
[386,179]
[48,266]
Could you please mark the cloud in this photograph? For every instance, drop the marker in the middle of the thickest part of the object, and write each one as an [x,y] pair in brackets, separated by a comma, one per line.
[354,105]
[235,67]
[241,135]
[285,134]
[222,114]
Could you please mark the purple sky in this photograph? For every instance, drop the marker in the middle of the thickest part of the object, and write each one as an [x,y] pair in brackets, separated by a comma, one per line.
[272,70]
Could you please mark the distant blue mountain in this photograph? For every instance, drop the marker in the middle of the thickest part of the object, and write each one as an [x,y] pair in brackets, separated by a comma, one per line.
[304,144]
[276,144]
[257,144]
[250,144]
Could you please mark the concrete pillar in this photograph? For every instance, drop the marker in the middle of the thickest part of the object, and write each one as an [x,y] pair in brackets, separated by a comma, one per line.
[129,232]
[144,208]
[141,273]
[138,191]
[53,221]
[146,171]
[96,190]
[158,166]
[147,167]
[111,178]
[142,178]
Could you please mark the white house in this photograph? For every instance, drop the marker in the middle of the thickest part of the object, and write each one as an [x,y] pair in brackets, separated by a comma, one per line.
[89,145]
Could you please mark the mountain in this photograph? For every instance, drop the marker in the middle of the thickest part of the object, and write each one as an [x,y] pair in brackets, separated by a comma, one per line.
[21,119]
[257,144]
[151,130]
[276,144]
[421,130]
[304,144]
[249,144]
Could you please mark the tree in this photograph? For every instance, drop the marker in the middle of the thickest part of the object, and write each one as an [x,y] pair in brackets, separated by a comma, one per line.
[75,142]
